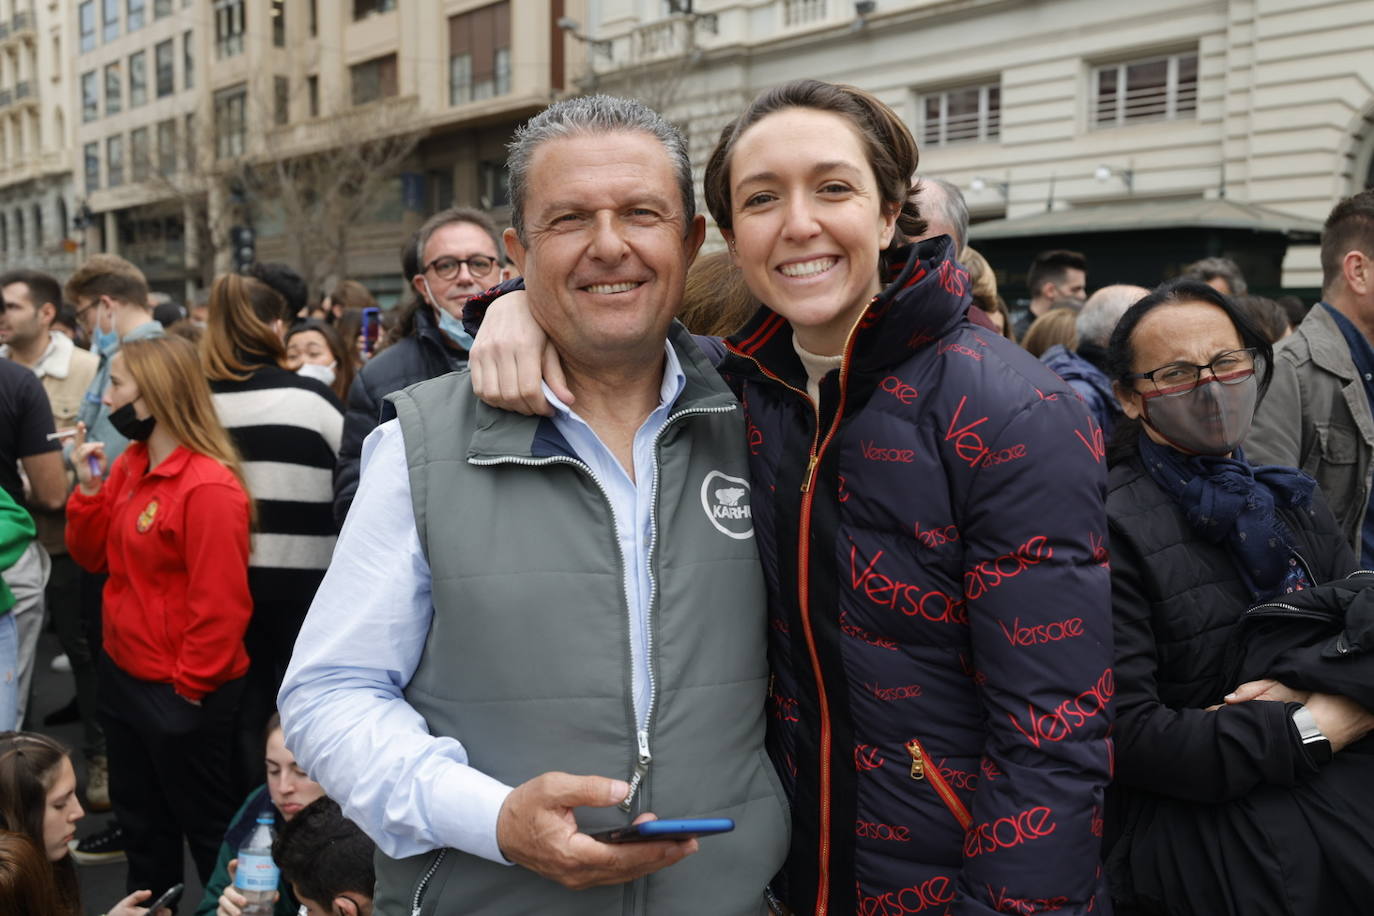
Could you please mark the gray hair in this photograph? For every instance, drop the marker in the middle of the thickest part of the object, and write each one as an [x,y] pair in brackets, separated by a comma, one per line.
[953,209]
[1104,308]
[595,114]
[1209,269]
[447,217]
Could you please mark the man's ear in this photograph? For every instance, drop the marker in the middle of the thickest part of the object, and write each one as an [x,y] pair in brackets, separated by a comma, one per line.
[344,906]
[515,248]
[695,236]
[47,314]
[417,283]
[1356,267]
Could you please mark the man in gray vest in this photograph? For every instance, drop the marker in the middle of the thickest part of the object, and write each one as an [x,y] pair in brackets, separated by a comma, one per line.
[534,629]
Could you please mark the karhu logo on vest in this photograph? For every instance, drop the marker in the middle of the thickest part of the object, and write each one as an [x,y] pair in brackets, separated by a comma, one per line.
[726,501]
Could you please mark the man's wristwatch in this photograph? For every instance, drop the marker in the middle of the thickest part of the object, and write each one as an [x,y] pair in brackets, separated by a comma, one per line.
[1313,741]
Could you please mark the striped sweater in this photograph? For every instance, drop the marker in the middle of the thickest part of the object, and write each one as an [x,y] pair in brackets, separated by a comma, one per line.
[287,430]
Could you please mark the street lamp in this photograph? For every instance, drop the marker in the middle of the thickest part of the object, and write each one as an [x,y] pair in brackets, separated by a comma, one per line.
[1105,173]
[980,184]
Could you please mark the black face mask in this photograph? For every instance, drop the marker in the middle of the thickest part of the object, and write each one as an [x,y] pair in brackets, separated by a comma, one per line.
[128,425]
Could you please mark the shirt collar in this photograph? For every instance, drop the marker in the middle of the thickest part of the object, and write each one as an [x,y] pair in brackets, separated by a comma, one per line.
[669,390]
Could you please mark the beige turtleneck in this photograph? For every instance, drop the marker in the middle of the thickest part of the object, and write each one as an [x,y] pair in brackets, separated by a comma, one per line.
[817,367]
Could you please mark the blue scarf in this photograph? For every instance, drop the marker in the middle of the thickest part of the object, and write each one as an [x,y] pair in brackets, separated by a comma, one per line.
[1228,501]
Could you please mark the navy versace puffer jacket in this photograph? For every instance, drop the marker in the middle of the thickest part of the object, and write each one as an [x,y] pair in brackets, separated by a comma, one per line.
[939,610]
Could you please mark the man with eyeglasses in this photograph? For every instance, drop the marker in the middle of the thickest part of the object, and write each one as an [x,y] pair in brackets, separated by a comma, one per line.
[1317,413]
[453,256]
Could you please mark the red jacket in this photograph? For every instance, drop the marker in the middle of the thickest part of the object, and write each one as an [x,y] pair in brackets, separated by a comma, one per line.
[175,543]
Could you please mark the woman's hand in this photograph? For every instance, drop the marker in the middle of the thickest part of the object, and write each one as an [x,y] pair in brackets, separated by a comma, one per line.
[82,453]
[1266,689]
[231,902]
[511,355]
[1341,719]
[129,906]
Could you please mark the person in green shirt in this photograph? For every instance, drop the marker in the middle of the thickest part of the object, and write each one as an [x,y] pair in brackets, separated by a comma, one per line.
[16,533]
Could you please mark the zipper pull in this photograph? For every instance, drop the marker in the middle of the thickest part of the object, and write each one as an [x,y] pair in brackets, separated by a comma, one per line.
[810,469]
[918,760]
[641,769]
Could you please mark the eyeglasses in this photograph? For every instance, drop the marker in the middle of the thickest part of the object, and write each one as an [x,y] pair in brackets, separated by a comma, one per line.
[447,268]
[1177,379]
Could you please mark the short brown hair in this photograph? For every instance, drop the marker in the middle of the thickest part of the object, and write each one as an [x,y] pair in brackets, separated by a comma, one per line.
[43,288]
[888,146]
[109,275]
[1349,227]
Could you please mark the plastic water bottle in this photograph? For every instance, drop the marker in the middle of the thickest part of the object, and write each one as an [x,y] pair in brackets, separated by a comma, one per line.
[257,876]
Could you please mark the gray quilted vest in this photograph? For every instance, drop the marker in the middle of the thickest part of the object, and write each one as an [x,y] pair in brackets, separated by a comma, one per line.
[527,661]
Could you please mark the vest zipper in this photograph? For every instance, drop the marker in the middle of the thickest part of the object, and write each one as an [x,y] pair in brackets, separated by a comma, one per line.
[428,876]
[641,737]
[818,447]
[925,769]
[643,756]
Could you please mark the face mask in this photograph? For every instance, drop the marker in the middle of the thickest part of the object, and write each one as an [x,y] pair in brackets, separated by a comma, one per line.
[1212,419]
[322,374]
[128,424]
[452,327]
[106,342]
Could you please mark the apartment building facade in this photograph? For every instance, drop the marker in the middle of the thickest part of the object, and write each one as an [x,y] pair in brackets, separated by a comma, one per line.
[1261,107]
[36,193]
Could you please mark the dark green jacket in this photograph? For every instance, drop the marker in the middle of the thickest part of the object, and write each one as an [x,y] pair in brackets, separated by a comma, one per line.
[244,820]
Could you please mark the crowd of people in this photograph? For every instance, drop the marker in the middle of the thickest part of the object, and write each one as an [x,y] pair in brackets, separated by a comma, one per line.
[947,606]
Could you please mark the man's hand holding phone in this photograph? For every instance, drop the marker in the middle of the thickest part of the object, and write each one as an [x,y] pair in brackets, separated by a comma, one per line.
[536,829]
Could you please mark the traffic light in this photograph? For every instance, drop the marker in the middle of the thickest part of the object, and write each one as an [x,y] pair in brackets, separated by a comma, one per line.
[241,238]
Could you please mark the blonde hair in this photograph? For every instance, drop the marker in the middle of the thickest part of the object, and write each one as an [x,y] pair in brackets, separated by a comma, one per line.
[1057,326]
[238,330]
[169,380]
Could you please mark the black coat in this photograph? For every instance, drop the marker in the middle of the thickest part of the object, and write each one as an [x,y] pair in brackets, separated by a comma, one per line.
[1215,812]
[422,355]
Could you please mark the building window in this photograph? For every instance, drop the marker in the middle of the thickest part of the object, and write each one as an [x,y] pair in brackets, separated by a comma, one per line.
[495,185]
[140,154]
[4,233]
[137,9]
[37,226]
[86,15]
[969,113]
[61,218]
[19,229]
[111,18]
[138,79]
[313,8]
[114,160]
[188,62]
[312,91]
[363,8]
[164,59]
[188,141]
[90,97]
[479,54]
[167,146]
[281,97]
[230,126]
[374,79]
[228,27]
[114,88]
[162,8]
[279,23]
[1153,89]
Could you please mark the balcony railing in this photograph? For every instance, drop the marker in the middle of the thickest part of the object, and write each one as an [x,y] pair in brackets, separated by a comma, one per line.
[22,89]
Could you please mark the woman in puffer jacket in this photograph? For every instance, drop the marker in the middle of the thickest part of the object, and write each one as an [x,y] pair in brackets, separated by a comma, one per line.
[1230,798]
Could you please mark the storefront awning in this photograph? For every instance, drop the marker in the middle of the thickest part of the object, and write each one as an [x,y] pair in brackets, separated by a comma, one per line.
[1137,215]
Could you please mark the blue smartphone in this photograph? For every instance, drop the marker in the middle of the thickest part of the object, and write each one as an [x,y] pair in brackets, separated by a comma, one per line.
[372,325]
[680,829]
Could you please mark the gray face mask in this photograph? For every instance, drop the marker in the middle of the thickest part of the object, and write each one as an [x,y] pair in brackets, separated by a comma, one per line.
[1212,419]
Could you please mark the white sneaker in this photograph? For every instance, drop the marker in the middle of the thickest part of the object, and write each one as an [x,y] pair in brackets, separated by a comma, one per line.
[61,664]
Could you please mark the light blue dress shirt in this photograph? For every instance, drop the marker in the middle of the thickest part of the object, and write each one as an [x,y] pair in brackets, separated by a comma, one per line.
[343,711]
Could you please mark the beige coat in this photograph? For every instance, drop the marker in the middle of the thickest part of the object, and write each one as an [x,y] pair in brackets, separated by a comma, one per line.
[1316,417]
